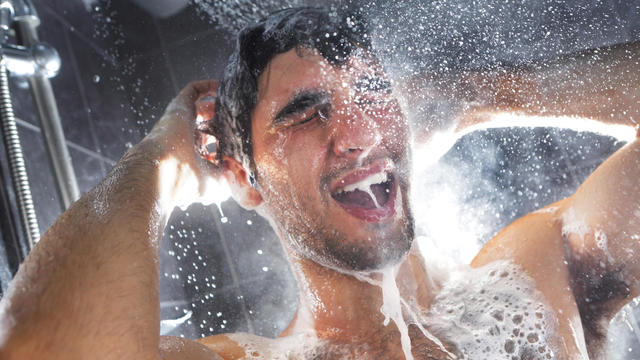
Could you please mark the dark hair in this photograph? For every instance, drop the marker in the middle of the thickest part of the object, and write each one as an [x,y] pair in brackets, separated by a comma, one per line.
[334,35]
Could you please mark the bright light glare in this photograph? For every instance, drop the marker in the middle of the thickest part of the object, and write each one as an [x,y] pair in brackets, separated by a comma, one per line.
[216,192]
[439,213]
[441,141]
[180,186]
[507,119]
[452,236]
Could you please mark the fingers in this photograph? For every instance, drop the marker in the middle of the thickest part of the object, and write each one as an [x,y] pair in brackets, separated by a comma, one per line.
[206,143]
[206,146]
[195,89]
[186,99]
[205,105]
[195,105]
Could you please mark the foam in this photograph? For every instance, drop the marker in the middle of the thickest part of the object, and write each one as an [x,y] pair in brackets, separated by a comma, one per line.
[547,210]
[492,313]
[300,346]
[578,336]
[573,224]
[603,244]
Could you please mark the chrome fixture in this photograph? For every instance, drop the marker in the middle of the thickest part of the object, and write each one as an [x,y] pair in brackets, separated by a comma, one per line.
[37,62]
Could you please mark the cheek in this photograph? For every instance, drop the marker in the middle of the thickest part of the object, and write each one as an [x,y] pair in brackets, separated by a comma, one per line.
[293,162]
[306,156]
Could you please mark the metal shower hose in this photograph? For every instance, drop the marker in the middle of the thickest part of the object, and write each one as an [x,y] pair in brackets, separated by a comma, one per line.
[16,160]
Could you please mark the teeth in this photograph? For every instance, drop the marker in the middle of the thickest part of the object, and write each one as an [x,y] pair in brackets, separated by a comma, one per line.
[365,184]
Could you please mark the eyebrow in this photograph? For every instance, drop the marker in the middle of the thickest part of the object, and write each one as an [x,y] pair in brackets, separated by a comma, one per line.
[301,101]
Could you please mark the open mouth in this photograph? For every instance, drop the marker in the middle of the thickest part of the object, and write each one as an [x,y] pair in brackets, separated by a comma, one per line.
[368,195]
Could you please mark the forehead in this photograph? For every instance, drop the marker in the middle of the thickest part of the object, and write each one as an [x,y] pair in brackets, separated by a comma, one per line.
[297,69]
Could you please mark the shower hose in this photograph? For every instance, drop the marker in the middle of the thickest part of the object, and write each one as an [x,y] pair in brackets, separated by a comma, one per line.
[16,161]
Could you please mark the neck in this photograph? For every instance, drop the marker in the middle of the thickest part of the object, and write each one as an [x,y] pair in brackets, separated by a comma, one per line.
[345,306]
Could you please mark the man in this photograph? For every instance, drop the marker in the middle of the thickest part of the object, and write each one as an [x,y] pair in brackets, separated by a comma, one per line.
[310,134]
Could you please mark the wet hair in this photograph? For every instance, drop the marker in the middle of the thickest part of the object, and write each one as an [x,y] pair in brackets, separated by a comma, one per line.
[334,35]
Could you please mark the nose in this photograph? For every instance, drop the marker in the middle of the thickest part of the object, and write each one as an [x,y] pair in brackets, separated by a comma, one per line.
[354,133]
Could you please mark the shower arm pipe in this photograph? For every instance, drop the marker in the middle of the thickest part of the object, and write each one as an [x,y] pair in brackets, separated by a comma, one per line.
[50,123]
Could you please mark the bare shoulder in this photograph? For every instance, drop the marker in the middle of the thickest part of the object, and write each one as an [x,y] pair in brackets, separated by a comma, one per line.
[530,241]
[535,243]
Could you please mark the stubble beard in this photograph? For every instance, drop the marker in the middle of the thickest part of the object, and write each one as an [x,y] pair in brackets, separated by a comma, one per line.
[306,234]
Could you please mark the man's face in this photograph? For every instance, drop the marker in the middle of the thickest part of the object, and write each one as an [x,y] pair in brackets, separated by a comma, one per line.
[330,145]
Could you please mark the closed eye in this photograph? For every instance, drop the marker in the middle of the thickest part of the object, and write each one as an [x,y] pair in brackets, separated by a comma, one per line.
[300,104]
[320,112]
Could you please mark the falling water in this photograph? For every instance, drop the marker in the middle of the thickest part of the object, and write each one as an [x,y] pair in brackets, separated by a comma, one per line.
[237,14]
[392,308]
[440,37]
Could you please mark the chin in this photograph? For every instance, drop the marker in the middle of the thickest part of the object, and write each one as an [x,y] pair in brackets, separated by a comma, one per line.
[387,248]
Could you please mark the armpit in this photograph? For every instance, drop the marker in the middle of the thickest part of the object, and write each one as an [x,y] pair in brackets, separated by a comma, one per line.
[598,287]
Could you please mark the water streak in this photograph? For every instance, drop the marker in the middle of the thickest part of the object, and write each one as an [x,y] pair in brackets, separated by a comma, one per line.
[392,308]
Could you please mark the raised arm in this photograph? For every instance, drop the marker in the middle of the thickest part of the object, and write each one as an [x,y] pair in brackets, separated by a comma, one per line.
[582,252]
[89,288]
[601,85]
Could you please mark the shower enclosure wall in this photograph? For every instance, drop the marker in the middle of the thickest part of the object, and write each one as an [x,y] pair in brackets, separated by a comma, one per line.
[35,62]
[223,270]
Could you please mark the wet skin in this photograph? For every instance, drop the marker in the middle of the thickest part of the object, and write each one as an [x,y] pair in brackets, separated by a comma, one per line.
[348,126]
[89,288]
[299,159]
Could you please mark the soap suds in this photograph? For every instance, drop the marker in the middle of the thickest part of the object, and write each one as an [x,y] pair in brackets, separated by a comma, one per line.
[602,244]
[492,313]
[572,224]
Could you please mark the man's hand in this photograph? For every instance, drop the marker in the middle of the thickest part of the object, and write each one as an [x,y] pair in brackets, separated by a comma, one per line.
[188,170]
[177,130]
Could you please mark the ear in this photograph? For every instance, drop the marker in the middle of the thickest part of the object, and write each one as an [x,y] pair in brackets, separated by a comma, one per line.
[238,179]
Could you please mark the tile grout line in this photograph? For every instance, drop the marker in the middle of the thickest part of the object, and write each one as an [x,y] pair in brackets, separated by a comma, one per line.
[191,37]
[234,274]
[69,143]
[217,291]
[83,96]
[80,35]
[166,57]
